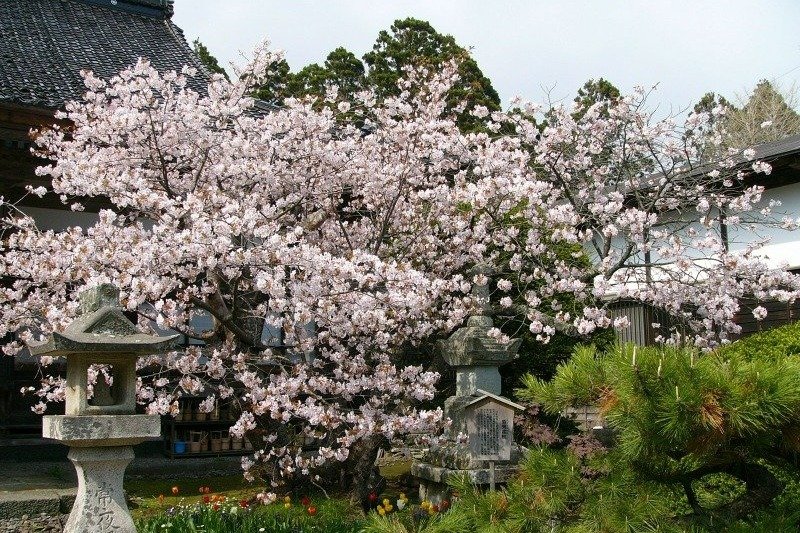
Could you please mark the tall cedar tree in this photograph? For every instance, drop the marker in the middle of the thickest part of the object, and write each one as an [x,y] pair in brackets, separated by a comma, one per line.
[767,115]
[341,68]
[595,91]
[415,42]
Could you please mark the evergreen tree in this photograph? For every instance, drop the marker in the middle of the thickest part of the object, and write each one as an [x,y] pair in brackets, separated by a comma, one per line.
[208,60]
[680,416]
[768,115]
[341,68]
[596,91]
[415,42]
[276,86]
[711,101]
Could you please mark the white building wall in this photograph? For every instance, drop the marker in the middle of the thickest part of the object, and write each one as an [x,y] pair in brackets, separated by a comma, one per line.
[784,245]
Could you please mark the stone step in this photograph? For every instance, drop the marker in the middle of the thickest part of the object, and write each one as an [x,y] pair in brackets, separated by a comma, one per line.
[32,502]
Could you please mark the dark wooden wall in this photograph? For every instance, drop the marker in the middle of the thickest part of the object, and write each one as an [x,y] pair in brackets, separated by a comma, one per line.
[17,164]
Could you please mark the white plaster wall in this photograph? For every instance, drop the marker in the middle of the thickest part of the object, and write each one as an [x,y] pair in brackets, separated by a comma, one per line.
[784,245]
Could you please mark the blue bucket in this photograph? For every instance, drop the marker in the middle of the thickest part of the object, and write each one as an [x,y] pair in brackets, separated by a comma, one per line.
[180,446]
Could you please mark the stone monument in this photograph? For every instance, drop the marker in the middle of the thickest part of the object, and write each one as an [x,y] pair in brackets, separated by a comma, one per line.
[481,433]
[101,431]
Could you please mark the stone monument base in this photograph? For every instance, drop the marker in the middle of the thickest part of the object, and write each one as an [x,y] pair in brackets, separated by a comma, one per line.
[434,487]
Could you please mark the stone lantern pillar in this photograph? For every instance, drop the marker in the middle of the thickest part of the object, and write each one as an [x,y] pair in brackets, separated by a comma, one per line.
[476,357]
[101,431]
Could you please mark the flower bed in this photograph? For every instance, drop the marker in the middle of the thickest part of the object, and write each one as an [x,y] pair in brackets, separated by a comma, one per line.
[205,510]
[216,513]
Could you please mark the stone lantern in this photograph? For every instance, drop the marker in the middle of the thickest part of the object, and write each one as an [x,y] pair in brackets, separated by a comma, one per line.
[101,431]
[481,430]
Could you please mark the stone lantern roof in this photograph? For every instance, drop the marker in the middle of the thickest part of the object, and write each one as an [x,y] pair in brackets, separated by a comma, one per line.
[101,328]
[472,346]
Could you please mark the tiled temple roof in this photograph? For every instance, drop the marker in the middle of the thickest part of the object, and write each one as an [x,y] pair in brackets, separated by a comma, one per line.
[44,44]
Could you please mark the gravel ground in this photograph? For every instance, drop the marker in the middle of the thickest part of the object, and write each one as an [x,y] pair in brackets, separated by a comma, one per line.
[34,524]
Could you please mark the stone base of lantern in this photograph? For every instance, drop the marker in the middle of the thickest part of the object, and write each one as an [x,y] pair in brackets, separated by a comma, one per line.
[100,504]
[433,480]
[101,446]
[449,461]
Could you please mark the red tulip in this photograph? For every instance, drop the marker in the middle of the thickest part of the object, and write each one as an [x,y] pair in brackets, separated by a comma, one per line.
[312,511]
[305,501]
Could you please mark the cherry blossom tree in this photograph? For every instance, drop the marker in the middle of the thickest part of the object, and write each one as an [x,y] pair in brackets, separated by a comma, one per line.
[619,205]
[354,237]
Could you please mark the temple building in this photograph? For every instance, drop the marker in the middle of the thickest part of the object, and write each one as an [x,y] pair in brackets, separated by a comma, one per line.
[45,45]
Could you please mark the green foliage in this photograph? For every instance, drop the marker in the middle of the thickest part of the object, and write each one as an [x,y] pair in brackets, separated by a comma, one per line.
[208,60]
[413,42]
[772,345]
[409,42]
[341,68]
[454,521]
[675,409]
[698,424]
[552,494]
[710,101]
[276,87]
[542,360]
[596,91]
[766,115]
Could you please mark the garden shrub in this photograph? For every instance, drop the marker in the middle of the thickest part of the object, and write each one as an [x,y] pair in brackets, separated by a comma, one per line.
[773,344]
[720,428]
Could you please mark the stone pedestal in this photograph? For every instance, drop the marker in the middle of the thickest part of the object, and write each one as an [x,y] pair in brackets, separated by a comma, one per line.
[101,430]
[434,480]
[450,461]
[100,504]
[101,446]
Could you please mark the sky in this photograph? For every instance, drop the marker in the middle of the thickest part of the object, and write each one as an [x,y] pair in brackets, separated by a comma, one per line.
[539,50]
